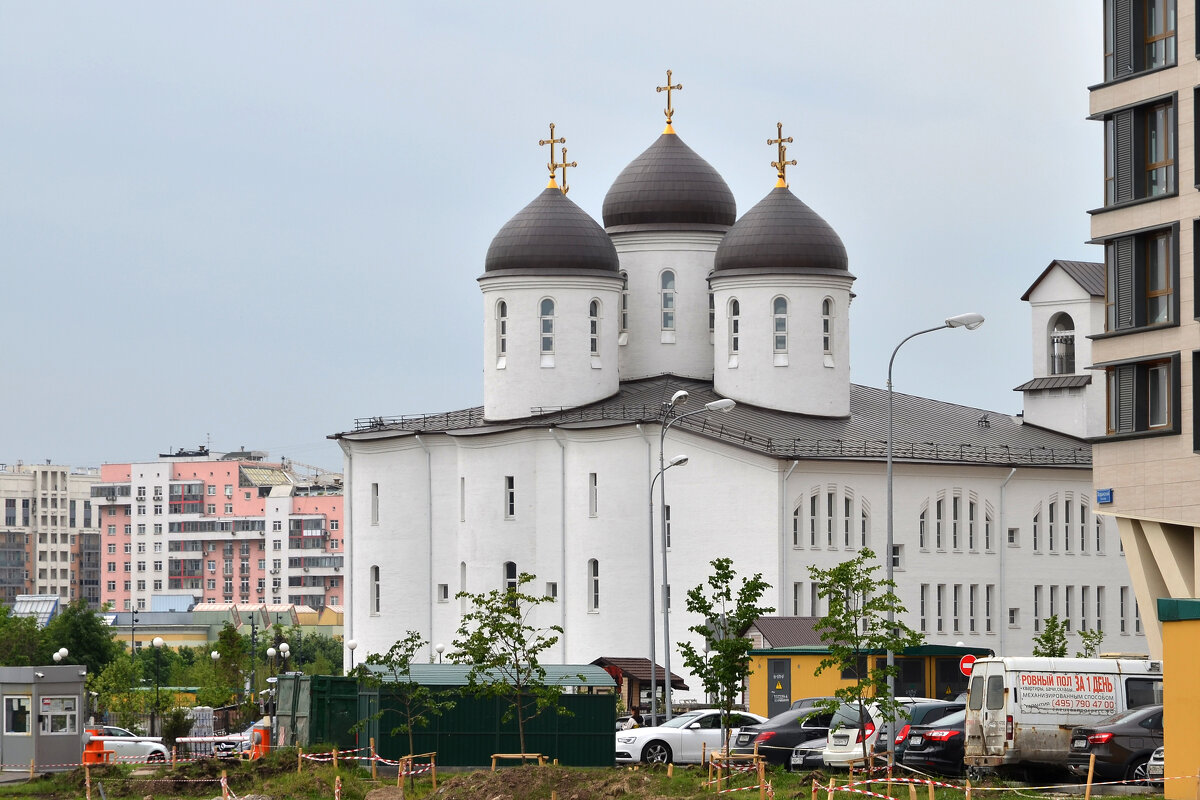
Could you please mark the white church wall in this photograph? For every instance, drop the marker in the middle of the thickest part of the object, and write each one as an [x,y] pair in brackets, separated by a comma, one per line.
[650,350]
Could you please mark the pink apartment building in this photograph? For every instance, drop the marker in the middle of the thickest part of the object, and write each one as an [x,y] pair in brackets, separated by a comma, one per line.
[196,526]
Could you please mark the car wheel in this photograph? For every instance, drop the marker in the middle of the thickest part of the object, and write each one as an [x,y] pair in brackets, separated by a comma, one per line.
[1137,771]
[657,752]
[156,757]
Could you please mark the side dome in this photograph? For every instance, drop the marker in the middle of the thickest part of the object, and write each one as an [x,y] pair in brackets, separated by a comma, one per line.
[668,186]
[781,234]
[551,234]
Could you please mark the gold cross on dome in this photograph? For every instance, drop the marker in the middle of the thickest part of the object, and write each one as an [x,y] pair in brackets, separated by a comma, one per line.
[782,164]
[563,166]
[551,141]
[670,112]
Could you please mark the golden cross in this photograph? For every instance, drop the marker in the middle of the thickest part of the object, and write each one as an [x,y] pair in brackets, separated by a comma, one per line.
[551,141]
[782,164]
[678,87]
[563,165]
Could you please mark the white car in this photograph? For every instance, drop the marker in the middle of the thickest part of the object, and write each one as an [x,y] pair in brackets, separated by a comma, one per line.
[680,740]
[129,747]
[846,739]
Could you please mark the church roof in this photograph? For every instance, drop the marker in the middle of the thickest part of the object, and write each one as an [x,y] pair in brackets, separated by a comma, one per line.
[781,234]
[925,430]
[669,186]
[551,235]
[1088,274]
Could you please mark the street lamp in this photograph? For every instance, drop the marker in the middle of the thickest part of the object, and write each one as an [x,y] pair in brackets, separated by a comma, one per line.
[351,646]
[284,650]
[441,648]
[158,644]
[59,654]
[670,417]
[677,461]
[970,322]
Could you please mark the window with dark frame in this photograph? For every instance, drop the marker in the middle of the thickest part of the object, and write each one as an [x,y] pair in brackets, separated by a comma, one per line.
[1142,396]
[1140,152]
[1142,271]
[1139,35]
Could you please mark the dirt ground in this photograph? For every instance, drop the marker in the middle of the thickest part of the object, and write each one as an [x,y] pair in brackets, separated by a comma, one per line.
[535,783]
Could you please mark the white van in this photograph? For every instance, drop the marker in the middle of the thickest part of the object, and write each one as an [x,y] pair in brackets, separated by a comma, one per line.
[1022,710]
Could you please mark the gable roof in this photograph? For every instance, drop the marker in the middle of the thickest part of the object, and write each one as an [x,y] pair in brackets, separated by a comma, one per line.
[639,669]
[788,631]
[1088,274]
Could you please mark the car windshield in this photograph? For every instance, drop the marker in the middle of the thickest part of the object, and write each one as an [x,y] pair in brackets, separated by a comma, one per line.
[847,716]
[682,721]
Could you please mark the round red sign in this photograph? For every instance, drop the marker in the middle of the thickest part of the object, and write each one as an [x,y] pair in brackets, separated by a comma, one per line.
[965,663]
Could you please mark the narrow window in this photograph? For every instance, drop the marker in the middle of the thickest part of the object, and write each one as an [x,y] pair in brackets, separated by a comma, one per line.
[1062,346]
[1053,600]
[1050,529]
[814,599]
[624,302]
[829,514]
[735,326]
[1123,609]
[970,524]
[957,595]
[921,529]
[510,576]
[1137,617]
[593,585]
[712,313]
[827,326]
[972,597]
[510,497]
[1068,606]
[924,607]
[1099,523]
[988,592]
[1160,33]
[374,503]
[796,527]
[462,499]
[941,601]
[812,520]
[865,529]
[667,524]
[847,520]
[956,508]
[1099,608]
[1036,519]
[797,596]
[594,327]
[1158,385]
[547,321]
[1067,525]
[1160,150]
[937,526]
[374,589]
[1085,606]
[1037,608]
[987,531]
[668,300]
[779,313]
[1083,527]
[1159,269]
[501,329]
[592,497]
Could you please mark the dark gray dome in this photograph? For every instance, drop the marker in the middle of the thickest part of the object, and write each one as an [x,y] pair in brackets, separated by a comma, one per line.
[551,234]
[669,186]
[781,234]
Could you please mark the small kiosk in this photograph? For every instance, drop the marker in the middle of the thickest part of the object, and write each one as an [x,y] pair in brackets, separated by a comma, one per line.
[44,717]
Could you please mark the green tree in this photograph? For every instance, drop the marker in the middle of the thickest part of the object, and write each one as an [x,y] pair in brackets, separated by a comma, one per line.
[234,649]
[502,647]
[88,640]
[857,626]
[723,669]
[1052,641]
[417,704]
[118,691]
[20,640]
[1090,641]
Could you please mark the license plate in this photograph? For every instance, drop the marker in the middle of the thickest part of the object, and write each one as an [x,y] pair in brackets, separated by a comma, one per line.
[1079,744]
[743,738]
[914,741]
[1154,771]
[841,740]
[797,759]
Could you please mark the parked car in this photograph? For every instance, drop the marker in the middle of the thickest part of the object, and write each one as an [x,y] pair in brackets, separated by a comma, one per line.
[810,755]
[129,746]
[1155,770]
[937,746]
[234,744]
[1122,744]
[680,740]
[777,737]
[810,702]
[923,713]
[846,739]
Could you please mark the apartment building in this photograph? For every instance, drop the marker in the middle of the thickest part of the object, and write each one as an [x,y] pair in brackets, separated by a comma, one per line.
[1147,467]
[50,539]
[196,526]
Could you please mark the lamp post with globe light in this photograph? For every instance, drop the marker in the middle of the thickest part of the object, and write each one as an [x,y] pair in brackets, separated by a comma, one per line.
[60,655]
[157,643]
[352,645]
[969,321]
[677,461]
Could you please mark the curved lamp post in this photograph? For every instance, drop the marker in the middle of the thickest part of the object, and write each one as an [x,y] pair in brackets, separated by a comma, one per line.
[677,461]
[970,322]
[670,417]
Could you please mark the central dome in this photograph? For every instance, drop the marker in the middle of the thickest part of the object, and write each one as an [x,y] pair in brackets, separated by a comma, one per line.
[551,234]
[669,186]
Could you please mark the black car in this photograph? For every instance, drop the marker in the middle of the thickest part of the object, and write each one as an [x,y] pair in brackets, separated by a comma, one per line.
[925,713]
[777,737]
[1122,744]
[937,747]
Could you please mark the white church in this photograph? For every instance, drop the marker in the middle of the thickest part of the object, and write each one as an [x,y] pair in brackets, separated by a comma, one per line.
[589,332]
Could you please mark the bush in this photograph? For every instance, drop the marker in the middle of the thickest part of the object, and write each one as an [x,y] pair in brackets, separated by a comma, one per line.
[175,724]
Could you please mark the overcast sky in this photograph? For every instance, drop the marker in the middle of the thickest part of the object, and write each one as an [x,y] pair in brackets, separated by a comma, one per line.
[250,223]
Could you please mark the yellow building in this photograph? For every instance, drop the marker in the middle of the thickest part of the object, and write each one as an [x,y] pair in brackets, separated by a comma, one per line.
[1181,695]
[783,674]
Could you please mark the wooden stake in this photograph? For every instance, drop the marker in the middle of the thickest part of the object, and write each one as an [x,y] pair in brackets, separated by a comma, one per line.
[814,789]
[912,791]
[670,769]
[433,768]
[224,785]
[969,786]
[762,778]
[299,759]
[31,769]
[173,754]
[335,764]
[87,780]
[400,776]
[373,773]
[829,793]
[1087,793]
[930,790]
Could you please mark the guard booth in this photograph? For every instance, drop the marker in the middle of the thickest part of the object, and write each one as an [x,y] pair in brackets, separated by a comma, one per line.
[44,716]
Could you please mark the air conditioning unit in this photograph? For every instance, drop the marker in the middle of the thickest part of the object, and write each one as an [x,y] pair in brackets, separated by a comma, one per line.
[306,569]
[337,569]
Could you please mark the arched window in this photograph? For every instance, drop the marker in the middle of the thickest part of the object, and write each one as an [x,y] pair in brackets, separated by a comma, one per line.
[779,313]
[593,568]
[501,329]
[547,318]
[624,321]
[864,529]
[827,325]
[668,300]
[594,327]
[1062,345]
[735,326]
[796,517]
[510,576]
[374,589]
